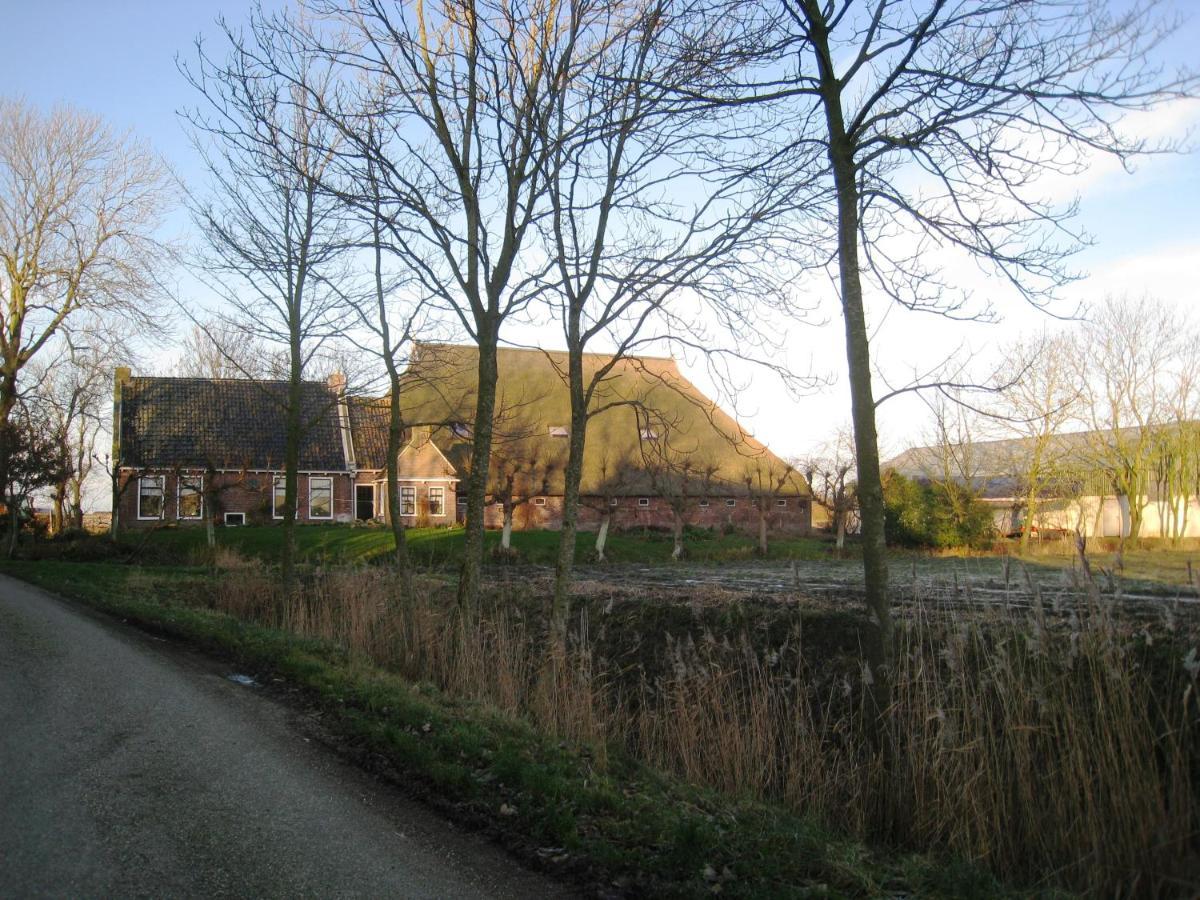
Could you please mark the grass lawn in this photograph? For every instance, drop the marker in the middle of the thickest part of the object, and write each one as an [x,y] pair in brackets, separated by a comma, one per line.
[437,547]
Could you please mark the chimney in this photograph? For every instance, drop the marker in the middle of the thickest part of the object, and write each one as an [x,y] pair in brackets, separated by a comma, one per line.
[337,382]
[421,435]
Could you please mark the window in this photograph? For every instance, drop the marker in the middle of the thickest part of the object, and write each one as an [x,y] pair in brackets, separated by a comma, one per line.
[150,497]
[437,501]
[558,431]
[460,429]
[539,501]
[612,501]
[781,502]
[278,497]
[191,496]
[320,498]
[235,518]
[730,502]
[408,501]
[643,501]
[649,434]
[703,504]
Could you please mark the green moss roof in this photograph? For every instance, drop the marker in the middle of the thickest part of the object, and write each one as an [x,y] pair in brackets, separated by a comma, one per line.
[646,412]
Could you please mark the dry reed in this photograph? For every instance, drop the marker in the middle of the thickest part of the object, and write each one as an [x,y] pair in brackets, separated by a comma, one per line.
[1054,750]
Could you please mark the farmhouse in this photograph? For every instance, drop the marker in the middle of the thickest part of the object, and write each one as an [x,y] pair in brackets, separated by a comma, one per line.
[1078,481]
[657,449]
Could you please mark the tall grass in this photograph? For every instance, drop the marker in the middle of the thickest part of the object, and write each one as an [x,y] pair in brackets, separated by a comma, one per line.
[1058,750]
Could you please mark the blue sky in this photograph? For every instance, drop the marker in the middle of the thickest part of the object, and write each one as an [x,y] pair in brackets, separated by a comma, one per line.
[118,59]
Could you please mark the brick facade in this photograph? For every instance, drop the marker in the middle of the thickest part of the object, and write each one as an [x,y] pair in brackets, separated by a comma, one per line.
[236,492]
[793,517]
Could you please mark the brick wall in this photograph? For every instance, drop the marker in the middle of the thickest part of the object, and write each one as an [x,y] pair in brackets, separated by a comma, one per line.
[236,493]
[629,513]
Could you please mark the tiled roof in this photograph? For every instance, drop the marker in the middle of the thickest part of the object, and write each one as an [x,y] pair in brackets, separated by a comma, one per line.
[369,426]
[225,423]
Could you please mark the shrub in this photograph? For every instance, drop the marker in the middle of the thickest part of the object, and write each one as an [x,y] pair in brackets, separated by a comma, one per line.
[935,515]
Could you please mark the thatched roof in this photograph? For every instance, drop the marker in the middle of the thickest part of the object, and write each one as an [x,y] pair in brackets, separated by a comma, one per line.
[648,418]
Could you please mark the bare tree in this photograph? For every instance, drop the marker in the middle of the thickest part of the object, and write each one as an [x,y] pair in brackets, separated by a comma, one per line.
[929,125]
[830,476]
[461,93]
[767,481]
[224,349]
[519,473]
[272,233]
[72,395]
[1037,408]
[648,212]
[1127,355]
[80,208]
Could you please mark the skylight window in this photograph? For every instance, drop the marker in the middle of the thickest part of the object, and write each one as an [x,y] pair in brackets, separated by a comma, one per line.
[649,434]
[559,431]
[460,429]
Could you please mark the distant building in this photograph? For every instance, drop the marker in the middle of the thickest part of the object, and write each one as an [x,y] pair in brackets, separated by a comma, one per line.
[656,440]
[1076,492]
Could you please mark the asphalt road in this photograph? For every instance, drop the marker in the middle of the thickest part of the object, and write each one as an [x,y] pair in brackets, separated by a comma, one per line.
[132,767]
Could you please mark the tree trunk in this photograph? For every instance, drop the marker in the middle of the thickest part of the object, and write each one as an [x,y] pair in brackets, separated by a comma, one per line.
[602,536]
[291,460]
[395,439]
[14,526]
[561,607]
[762,527]
[481,450]
[677,534]
[1027,525]
[858,359]
[841,531]
[506,533]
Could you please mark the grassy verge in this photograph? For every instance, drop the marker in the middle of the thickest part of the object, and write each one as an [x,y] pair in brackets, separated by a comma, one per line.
[437,547]
[619,827]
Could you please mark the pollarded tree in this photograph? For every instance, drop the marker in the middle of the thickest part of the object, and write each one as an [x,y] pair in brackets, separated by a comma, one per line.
[934,121]
[830,476]
[767,481]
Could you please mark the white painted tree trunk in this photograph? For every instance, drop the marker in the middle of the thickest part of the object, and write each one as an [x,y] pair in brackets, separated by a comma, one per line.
[602,537]
[506,534]
[677,553]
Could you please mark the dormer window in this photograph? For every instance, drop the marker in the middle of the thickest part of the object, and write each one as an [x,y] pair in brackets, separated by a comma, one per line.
[559,431]
[649,434]
[460,429]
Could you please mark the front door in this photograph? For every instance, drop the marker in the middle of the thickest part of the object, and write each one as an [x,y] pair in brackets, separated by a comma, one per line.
[364,502]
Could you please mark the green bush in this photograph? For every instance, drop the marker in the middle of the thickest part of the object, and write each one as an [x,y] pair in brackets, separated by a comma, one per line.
[934,514]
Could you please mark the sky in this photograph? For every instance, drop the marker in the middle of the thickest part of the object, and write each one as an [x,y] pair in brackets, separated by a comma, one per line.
[118,59]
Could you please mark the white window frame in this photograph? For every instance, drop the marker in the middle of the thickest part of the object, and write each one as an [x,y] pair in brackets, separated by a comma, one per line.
[276,487]
[411,491]
[311,480]
[643,502]
[612,501]
[241,516]
[704,504]
[539,501]
[730,502]
[196,481]
[441,500]
[162,498]
[781,502]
